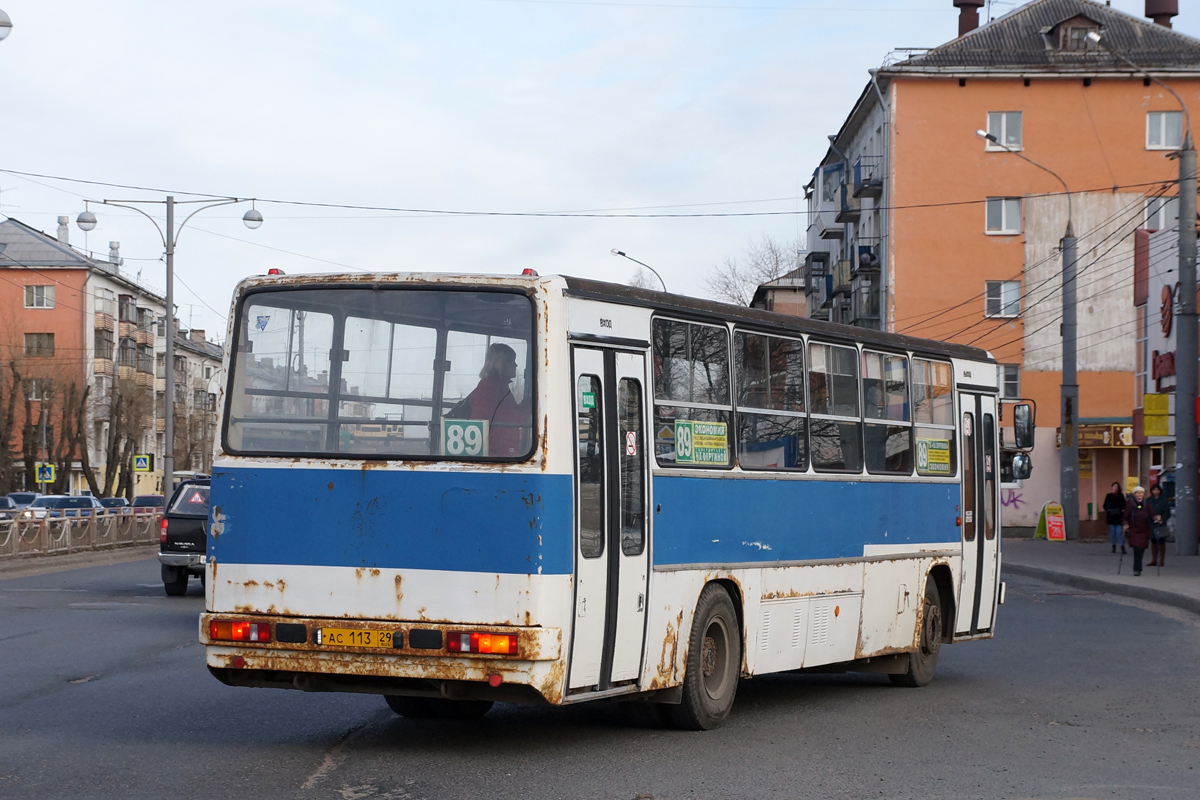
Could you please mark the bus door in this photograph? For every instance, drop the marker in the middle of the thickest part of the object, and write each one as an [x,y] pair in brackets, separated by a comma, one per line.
[611,521]
[980,499]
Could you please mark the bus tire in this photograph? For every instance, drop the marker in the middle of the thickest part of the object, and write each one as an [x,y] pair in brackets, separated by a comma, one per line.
[175,581]
[436,707]
[923,662]
[714,664]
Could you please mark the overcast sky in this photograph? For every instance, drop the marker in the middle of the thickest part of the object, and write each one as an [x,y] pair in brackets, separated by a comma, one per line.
[674,106]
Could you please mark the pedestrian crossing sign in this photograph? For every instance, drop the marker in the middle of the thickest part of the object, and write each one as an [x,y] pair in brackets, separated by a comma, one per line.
[45,472]
[143,462]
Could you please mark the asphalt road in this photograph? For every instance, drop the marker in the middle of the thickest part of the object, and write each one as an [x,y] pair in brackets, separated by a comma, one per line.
[103,693]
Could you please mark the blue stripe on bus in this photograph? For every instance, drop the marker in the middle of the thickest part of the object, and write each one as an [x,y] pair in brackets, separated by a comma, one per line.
[722,521]
[461,521]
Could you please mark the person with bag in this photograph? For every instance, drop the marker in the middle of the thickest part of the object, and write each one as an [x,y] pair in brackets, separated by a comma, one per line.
[1138,521]
[1114,512]
[1160,507]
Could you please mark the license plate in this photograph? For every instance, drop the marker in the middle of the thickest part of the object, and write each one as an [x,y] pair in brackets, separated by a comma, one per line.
[350,637]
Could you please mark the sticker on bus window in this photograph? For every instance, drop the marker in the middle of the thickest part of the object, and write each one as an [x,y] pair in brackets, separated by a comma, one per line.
[701,442]
[464,437]
[587,400]
[933,456]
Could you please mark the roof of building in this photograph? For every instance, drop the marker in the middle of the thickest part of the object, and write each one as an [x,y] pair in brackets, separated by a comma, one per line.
[208,349]
[23,247]
[1027,39]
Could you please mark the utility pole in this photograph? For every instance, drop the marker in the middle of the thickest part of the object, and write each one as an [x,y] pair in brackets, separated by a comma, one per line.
[1187,351]
[169,358]
[1069,411]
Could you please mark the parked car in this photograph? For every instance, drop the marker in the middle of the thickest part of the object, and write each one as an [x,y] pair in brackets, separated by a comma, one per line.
[23,499]
[183,536]
[40,508]
[148,504]
[79,506]
[8,509]
[116,505]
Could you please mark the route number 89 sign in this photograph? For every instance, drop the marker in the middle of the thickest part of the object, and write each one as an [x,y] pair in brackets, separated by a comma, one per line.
[464,438]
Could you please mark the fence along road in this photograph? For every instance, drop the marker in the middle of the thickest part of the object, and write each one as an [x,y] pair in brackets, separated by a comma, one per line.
[61,535]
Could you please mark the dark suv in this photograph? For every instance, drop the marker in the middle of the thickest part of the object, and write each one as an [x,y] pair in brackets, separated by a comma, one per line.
[183,536]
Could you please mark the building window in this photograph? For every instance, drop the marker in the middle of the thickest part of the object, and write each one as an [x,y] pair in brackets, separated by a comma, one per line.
[145,358]
[127,353]
[104,343]
[105,302]
[1162,213]
[127,309]
[39,297]
[35,389]
[1010,381]
[207,373]
[1164,130]
[1003,299]
[1006,127]
[39,344]
[1004,215]
[1074,37]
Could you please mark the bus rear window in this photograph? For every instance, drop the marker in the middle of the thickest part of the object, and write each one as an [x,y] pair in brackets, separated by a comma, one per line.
[383,373]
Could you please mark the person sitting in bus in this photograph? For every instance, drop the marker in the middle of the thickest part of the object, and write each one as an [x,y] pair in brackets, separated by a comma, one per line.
[493,400]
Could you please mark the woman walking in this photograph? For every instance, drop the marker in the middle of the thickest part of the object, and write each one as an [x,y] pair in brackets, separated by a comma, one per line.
[1114,511]
[1138,520]
[1160,508]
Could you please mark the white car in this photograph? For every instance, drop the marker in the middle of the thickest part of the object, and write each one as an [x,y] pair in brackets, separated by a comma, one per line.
[40,508]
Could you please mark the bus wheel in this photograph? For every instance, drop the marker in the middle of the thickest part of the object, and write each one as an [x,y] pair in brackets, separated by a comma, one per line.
[714,663]
[436,707]
[175,581]
[923,662]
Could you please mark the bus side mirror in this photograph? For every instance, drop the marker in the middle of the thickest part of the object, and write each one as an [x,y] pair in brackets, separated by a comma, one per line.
[1022,466]
[1023,424]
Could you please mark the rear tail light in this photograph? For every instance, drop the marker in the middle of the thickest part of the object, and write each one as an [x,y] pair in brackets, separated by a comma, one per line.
[162,532]
[233,630]
[474,642]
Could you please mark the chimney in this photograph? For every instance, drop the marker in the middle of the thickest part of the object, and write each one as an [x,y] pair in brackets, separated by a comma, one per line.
[968,14]
[64,223]
[197,336]
[1161,11]
[114,253]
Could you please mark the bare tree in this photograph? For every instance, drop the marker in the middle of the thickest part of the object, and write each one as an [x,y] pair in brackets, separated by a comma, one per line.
[8,419]
[641,280]
[736,280]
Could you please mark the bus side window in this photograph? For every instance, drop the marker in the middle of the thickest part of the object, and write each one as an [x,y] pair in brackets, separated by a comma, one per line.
[888,432]
[632,444]
[692,409]
[772,425]
[933,415]
[590,433]
[833,403]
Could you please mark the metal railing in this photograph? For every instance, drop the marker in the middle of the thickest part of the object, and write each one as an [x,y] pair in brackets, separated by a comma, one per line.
[61,535]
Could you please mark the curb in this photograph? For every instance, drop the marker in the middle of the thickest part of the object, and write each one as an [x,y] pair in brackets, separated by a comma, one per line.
[1191,604]
[29,565]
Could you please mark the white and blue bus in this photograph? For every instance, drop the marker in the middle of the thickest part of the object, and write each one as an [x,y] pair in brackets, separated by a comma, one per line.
[457,490]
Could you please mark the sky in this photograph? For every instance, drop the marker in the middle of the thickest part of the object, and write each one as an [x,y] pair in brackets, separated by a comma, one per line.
[625,107]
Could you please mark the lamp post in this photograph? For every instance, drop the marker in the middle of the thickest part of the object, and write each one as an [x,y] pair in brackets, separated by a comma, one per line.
[621,253]
[1069,393]
[86,221]
[5,25]
[1187,348]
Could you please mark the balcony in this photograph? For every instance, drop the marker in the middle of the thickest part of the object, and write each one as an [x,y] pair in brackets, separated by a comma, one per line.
[102,321]
[827,227]
[842,277]
[868,176]
[102,366]
[144,336]
[849,210]
[866,301]
[126,330]
[125,372]
[867,255]
[816,267]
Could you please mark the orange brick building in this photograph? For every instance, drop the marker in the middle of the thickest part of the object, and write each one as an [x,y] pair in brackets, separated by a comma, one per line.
[918,225]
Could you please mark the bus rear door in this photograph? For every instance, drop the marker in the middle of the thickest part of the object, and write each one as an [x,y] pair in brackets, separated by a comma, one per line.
[611,522]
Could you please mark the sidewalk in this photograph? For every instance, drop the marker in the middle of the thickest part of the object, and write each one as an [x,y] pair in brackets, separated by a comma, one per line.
[27,566]
[1093,566]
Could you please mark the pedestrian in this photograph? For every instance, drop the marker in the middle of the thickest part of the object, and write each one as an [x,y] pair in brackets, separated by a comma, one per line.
[1160,508]
[1138,521]
[1114,511]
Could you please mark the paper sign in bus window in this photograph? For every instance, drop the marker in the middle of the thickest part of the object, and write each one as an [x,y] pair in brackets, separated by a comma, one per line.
[464,438]
[933,456]
[701,442]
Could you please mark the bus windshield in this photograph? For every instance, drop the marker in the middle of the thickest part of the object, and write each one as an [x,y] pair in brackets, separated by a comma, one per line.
[431,374]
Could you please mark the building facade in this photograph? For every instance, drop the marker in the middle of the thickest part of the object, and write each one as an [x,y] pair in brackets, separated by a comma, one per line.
[920,225]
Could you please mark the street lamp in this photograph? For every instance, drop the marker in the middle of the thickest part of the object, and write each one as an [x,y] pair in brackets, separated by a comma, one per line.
[86,221]
[1069,392]
[621,253]
[1187,348]
[5,25]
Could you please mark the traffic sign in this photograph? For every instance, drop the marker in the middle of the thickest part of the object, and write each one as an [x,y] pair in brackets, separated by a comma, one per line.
[143,462]
[44,472]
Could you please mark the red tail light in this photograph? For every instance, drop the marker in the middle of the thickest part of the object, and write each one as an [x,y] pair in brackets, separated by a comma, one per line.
[162,532]
[233,630]
[474,642]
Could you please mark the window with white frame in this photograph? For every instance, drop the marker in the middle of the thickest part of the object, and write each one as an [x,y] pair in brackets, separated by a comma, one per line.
[1164,130]
[1010,381]
[1003,215]
[1161,213]
[1006,127]
[1003,299]
[39,297]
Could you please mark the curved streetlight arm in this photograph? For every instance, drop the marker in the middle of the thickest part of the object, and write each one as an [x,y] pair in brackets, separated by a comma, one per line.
[157,227]
[188,218]
[991,138]
[1096,38]
[622,254]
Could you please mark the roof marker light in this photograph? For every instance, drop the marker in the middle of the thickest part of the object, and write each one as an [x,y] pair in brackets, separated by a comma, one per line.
[532,273]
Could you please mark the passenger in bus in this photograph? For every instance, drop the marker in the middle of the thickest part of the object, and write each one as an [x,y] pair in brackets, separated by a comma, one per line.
[1138,519]
[492,399]
[1114,512]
